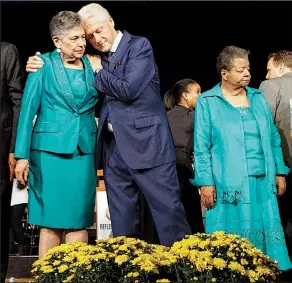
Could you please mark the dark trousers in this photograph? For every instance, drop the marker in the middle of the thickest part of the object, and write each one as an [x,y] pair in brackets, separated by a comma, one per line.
[5,191]
[160,187]
[16,229]
[190,199]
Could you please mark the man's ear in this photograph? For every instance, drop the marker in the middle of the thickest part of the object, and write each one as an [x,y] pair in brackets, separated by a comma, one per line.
[111,22]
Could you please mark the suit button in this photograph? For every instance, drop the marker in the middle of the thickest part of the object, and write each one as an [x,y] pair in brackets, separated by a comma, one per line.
[76,114]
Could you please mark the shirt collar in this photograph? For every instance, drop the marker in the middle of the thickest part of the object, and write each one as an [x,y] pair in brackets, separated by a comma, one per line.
[117,41]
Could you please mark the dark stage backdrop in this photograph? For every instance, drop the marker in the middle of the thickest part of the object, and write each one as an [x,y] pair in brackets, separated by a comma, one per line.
[186,36]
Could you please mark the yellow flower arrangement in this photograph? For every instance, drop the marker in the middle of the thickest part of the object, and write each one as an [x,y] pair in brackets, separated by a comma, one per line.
[224,258]
[217,257]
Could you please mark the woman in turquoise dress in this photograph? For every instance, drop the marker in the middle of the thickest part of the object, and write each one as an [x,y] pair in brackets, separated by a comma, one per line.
[59,150]
[239,164]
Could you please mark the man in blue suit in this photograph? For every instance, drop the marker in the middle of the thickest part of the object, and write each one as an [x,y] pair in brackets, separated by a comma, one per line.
[135,146]
[134,143]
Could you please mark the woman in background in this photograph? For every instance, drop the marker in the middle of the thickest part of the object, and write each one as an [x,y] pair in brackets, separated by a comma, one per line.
[180,103]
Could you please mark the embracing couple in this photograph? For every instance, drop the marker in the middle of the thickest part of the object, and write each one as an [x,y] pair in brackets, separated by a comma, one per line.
[133,143]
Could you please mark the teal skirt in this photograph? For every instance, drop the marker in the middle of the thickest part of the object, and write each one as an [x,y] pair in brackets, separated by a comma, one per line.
[258,221]
[61,190]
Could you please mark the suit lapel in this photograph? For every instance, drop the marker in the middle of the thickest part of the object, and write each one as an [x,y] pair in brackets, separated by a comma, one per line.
[62,79]
[104,61]
[122,47]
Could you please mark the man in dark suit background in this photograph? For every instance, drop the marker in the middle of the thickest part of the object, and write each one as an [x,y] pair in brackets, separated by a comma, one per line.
[11,91]
[278,91]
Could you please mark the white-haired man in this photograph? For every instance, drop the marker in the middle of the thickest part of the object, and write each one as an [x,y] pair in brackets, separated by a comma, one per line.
[135,147]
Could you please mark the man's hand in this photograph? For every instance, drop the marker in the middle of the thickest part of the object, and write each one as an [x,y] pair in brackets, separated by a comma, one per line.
[281,185]
[21,171]
[34,63]
[12,164]
[95,61]
[208,196]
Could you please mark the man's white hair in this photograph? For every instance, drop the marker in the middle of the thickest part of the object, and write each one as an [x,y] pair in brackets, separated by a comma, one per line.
[93,10]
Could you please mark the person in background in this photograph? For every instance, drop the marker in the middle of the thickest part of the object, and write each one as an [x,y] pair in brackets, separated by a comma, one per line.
[11,91]
[277,89]
[238,159]
[59,149]
[180,102]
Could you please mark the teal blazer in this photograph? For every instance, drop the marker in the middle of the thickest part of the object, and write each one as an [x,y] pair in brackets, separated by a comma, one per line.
[219,148]
[61,125]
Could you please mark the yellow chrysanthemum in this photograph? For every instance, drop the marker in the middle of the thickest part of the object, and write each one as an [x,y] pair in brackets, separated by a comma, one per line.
[121,259]
[132,275]
[47,269]
[69,279]
[63,268]
[219,263]
[235,266]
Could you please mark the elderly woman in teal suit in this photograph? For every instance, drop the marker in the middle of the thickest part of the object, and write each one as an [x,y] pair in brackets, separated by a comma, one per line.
[59,149]
[239,165]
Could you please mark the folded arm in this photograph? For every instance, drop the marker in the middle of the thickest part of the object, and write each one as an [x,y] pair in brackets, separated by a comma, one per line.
[139,71]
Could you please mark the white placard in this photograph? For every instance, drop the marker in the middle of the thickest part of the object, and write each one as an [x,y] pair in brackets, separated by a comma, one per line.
[103,223]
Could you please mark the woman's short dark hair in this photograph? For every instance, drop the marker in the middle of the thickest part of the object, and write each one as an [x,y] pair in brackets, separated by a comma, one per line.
[173,96]
[227,55]
[63,22]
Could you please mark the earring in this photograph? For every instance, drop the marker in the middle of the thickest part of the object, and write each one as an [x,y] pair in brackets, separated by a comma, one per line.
[58,50]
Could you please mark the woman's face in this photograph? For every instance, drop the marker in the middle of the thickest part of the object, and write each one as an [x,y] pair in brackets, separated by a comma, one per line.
[73,44]
[239,74]
[194,90]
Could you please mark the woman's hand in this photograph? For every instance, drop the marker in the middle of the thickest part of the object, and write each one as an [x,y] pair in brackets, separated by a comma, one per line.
[21,171]
[208,196]
[95,61]
[281,185]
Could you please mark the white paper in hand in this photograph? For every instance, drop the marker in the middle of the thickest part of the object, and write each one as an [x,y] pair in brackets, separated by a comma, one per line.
[18,195]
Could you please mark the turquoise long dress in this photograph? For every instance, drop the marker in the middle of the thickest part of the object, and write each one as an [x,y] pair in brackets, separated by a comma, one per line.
[259,220]
[62,187]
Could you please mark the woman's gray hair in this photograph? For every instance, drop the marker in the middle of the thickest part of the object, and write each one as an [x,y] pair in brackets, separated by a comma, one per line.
[94,10]
[227,55]
[63,22]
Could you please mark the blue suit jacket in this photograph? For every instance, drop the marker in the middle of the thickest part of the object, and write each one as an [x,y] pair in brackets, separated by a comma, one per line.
[61,125]
[130,84]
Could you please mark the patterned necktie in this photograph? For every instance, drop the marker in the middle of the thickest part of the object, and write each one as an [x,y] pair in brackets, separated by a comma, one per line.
[109,123]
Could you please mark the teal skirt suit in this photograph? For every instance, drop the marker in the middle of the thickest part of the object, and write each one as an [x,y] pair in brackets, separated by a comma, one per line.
[60,146]
[238,150]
